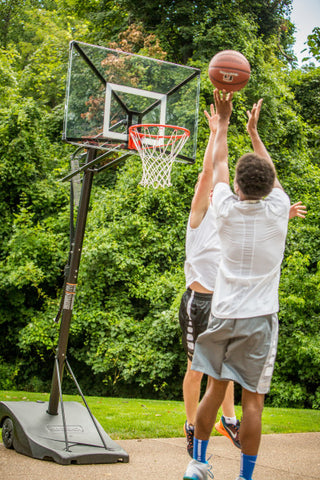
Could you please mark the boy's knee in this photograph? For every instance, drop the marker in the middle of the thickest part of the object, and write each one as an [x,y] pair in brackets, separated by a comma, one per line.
[194,375]
[252,404]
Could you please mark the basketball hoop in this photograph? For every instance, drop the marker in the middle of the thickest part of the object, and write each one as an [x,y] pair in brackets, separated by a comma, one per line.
[158,146]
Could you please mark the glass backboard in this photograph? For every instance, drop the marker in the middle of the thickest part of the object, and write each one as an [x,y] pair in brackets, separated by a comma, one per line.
[110,90]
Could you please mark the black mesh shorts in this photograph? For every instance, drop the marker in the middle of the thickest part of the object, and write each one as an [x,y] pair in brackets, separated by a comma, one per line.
[194,315]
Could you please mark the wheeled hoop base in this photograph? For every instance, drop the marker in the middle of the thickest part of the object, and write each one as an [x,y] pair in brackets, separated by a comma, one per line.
[40,435]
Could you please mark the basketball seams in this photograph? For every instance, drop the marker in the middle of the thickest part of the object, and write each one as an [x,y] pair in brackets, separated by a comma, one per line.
[235,70]
[232,62]
[227,87]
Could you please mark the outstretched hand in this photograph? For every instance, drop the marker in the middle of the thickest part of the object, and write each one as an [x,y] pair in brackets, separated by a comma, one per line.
[212,119]
[298,210]
[223,103]
[253,116]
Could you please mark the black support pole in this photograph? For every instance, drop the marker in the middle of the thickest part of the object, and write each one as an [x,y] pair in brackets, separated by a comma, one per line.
[70,289]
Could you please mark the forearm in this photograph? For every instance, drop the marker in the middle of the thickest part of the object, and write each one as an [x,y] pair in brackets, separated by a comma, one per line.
[220,154]
[260,149]
[208,156]
[220,149]
[258,145]
[200,201]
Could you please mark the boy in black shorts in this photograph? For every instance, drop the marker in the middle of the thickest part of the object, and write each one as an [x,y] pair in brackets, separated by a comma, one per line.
[202,260]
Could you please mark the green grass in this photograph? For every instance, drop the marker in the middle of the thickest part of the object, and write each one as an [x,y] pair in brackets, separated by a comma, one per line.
[124,418]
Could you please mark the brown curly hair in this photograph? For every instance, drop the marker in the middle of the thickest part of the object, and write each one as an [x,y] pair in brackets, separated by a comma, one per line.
[255,176]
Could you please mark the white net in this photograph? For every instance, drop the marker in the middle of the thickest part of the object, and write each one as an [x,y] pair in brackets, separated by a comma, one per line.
[158,146]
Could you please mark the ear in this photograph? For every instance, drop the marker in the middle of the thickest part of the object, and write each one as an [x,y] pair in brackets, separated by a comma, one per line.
[236,187]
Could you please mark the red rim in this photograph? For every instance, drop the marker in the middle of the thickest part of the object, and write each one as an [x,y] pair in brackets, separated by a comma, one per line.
[133,129]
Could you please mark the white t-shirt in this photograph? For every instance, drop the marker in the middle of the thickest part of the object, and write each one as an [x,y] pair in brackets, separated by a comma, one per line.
[252,236]
[202,252]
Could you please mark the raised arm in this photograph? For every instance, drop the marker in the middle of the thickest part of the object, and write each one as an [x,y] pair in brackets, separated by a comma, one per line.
[200,201]
[257,144]
[223,103]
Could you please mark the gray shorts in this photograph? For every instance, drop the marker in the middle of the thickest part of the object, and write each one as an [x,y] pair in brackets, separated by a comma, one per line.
[242,349]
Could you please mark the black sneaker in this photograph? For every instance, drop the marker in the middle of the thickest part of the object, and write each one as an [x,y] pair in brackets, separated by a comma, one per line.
[229,430]
[189,433]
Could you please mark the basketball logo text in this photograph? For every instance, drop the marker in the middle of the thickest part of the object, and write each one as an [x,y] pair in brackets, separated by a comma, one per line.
[228,76]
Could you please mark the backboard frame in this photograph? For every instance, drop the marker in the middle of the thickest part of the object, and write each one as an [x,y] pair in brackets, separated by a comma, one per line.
[122,105]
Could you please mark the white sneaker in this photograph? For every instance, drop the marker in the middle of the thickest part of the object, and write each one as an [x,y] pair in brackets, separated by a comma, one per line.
[198,471]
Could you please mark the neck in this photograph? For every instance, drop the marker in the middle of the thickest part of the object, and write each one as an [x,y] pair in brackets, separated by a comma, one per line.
[243,197]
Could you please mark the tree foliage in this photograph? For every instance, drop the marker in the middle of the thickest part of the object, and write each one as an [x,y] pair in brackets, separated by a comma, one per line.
[192,29]
[125,336]
[314,43]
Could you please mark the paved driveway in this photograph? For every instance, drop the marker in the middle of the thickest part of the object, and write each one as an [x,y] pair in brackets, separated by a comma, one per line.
[281,457]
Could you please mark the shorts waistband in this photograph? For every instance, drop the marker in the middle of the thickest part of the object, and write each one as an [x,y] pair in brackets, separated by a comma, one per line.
[205,296]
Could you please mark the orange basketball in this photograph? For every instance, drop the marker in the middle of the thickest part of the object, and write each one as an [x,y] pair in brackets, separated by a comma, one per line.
[229,70]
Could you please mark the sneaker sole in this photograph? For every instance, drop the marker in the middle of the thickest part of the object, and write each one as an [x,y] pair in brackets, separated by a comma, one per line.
[224,432]
[189,453]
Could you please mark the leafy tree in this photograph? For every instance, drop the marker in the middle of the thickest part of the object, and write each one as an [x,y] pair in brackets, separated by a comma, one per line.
[305,85]
[32,240]
[296,378]
[9,77]
[125,337]
[9,15]
[314,43]
[180,25]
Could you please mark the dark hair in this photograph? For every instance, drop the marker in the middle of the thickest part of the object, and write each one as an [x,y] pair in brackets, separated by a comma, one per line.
[255,176]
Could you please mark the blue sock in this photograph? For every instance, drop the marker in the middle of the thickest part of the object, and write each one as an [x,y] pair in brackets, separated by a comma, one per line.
[200,449]
[248,463]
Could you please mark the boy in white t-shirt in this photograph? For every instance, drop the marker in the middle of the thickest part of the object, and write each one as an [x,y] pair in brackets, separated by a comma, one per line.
[203,254]
[241,340]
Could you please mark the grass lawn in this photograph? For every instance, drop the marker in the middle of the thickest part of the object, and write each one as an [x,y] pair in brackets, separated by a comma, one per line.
[127,418]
